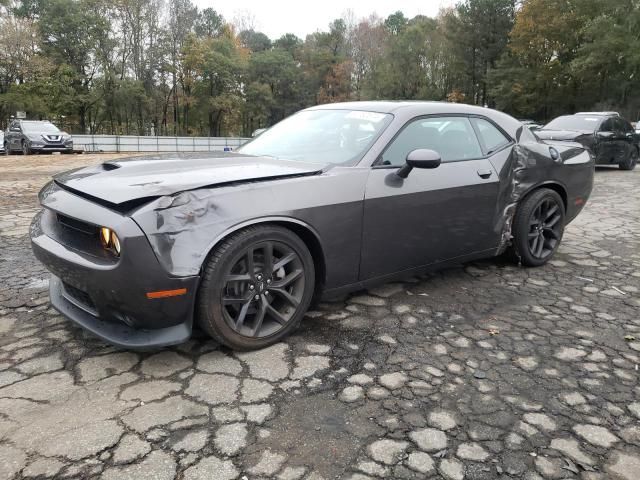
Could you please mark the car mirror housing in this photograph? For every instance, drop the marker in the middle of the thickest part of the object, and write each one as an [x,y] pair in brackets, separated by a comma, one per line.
[421,158]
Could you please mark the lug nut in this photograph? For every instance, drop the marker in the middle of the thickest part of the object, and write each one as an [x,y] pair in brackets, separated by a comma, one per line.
[269,280]
[256,297]
[251,287]
[259,277]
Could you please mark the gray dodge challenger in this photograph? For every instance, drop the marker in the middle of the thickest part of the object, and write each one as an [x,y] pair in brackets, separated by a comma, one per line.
[332,199]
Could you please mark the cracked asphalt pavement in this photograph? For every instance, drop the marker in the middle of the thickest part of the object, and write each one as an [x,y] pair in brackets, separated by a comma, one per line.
[485,371]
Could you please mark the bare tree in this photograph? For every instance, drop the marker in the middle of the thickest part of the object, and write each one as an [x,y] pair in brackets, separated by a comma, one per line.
[367,41]
[244,20]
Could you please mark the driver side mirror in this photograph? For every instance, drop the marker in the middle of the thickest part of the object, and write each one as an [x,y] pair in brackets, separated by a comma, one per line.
[421,158]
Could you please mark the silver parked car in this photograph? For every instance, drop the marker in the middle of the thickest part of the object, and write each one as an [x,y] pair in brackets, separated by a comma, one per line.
[36,136]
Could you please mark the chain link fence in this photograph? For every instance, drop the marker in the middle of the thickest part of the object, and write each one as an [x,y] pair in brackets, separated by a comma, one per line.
[131,143]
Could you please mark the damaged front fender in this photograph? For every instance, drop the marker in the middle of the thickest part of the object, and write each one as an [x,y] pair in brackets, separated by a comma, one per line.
[183,228]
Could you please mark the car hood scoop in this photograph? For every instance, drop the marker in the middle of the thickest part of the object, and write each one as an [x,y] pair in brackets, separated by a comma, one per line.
[126,180]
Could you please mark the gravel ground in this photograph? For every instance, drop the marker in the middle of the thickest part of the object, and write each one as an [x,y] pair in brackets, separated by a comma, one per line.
[486,371]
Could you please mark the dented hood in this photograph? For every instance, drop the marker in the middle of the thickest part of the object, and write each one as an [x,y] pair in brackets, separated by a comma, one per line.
[120,181]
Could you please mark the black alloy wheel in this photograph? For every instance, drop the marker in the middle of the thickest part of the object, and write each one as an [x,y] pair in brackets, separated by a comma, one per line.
[538,227]
[25,148]
[263,289]
[256,287]
[631,162]
[544,229]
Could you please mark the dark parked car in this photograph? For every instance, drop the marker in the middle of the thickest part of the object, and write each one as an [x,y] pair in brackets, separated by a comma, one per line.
[335,198]
[35,136]
[610,137]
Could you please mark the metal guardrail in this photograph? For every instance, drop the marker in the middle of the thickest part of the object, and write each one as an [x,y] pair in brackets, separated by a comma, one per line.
[131,143]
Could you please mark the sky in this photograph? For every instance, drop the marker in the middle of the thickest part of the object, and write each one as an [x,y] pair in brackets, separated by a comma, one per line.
[277,17]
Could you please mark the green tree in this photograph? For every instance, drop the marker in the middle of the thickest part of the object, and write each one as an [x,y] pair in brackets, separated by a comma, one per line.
[254,41]
[414,64]
[217,66]
[534,78]
[478,32]
[396,22]
[278,70]
[608,66]
[290,43]
[209,23]
[72,32]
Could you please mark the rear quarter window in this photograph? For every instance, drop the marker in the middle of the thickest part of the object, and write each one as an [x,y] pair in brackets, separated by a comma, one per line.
[491,138]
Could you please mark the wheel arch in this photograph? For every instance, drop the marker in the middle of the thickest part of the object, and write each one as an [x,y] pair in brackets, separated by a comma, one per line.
[306,232]
[551,185]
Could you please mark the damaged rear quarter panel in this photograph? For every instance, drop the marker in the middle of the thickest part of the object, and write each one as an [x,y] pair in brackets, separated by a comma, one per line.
[528,166]
[183,228]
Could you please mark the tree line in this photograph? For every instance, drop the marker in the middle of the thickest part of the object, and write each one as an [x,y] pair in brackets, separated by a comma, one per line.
[166,67]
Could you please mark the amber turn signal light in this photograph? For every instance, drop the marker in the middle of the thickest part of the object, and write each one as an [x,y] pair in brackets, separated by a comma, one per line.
[166,293]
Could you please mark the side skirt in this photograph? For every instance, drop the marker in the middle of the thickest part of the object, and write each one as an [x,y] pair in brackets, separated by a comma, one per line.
[403,274]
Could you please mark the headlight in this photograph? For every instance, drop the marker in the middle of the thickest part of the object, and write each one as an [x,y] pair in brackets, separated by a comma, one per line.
[110,240]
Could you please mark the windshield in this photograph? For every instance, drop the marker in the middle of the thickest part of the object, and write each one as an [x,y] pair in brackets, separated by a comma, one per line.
[574,122]
[321,136]
[39,127]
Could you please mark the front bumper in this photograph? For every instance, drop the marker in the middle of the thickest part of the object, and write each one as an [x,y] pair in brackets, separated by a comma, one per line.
[116,333]
[107,295]
[52,148]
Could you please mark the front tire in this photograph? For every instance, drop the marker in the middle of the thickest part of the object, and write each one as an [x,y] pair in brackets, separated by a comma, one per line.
[26,149]
[631,162]
[7,150]
[256,287]
[538,227]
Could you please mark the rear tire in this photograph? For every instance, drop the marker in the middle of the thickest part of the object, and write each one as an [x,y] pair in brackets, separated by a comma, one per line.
[7,150]
[631,162]
[256,287]
[538,226]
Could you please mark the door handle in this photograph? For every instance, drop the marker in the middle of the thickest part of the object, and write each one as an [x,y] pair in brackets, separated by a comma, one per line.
[484,173]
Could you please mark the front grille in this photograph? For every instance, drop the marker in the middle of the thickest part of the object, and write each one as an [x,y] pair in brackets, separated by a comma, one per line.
[79,297]
[77,225]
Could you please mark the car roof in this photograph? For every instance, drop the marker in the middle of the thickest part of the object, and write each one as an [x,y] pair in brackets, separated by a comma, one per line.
[391,106]
[413,108]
